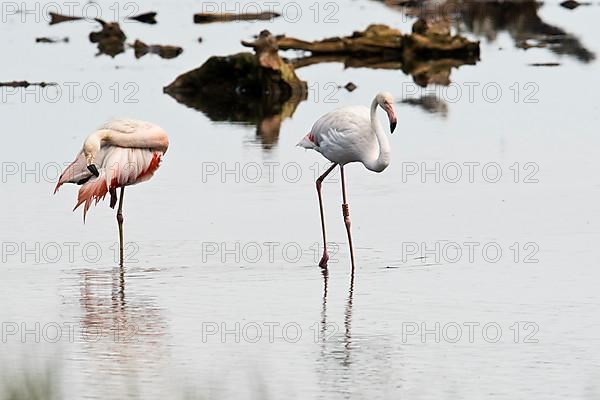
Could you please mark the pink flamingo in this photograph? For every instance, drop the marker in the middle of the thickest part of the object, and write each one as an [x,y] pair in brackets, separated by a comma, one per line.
[350,134]
[121,153]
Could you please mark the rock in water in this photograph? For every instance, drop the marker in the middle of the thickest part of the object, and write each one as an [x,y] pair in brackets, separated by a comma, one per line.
[260,75]
[258,88]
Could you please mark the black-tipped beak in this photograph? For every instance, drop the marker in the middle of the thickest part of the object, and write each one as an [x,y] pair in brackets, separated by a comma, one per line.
[389,109]
[92,168]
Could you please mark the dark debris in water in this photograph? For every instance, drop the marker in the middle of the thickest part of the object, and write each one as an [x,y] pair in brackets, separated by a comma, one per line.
[56,18]
[350,86]
[51,40]
[547,64]
[430,103]
[206,18]
[146,18]
[519,18]
[164,51]
[110,39]
[572,4]
[25,84]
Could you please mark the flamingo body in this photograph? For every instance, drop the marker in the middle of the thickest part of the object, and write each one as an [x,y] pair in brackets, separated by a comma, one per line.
[353,134]
[125,151]
[344,136]
[350,134]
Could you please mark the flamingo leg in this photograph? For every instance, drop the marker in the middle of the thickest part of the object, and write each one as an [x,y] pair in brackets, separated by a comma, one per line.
[325,258]
[113,197]
[120,222]
[346,214]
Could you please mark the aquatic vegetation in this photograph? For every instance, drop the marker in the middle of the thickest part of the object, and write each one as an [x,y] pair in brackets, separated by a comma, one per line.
[30,384]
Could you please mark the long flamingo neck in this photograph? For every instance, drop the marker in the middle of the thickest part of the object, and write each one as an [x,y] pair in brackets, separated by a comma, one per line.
[383,159]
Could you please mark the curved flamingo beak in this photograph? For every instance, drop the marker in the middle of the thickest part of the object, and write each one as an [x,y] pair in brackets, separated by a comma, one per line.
[92,168]
[389,109]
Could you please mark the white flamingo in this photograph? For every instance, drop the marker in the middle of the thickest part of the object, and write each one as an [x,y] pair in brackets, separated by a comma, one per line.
[350,134]
[121,153]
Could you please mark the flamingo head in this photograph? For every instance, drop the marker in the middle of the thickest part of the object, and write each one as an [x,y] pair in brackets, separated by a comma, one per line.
[91,146]
[386,102]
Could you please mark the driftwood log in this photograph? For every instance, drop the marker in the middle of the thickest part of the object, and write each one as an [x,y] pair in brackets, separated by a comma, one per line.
[206,18]
[376,39]
[428,53]
[424,41]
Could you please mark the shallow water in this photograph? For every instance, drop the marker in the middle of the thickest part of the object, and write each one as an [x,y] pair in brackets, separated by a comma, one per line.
[221,295]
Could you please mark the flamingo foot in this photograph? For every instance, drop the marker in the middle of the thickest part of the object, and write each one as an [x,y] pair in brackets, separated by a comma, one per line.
[324,259]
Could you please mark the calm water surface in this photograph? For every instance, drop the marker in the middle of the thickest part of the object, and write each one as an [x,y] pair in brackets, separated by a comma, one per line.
[221,296]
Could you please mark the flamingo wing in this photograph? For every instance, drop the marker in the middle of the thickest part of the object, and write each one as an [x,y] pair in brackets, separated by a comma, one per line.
[119,166]
[135,134]
[343,135]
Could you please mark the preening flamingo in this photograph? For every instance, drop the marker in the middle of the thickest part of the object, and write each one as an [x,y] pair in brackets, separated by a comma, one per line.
[350,134]
[121,153]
